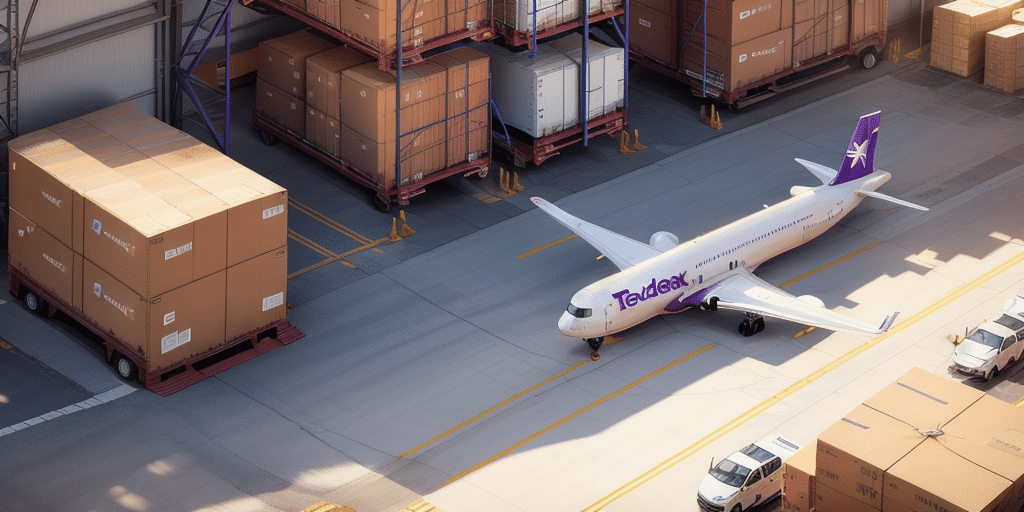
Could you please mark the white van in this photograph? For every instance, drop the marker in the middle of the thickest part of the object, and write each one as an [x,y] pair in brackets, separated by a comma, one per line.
[992,346]
[749,477]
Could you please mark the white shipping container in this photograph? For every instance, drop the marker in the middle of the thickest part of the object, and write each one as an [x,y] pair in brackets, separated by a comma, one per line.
[518,14]
[605,72]
[539,96]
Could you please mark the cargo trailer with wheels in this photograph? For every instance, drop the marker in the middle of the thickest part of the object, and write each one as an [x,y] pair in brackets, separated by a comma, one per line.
[131,365]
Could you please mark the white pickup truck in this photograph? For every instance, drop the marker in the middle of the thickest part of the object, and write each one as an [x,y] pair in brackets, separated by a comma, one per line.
[992,346]
[749,477]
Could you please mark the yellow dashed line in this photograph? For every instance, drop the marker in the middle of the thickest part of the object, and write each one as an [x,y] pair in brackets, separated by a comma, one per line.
[800,384]
[576,414]
[507,401]
[539,249]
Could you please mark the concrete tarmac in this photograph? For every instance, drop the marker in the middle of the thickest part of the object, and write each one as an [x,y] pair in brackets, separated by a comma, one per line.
[432,371]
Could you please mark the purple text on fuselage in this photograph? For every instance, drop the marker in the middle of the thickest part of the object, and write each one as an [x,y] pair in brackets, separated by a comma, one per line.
[629,299]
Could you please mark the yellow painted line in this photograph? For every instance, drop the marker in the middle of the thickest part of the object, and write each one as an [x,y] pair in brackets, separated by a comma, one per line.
[829,265]
[327,221]
[505,402]
[309,243]
[548,246]
[576,414]
[798,385]
[331,257]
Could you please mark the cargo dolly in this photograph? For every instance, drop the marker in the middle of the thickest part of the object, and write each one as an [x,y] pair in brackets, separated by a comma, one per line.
[524,148]
[131,365]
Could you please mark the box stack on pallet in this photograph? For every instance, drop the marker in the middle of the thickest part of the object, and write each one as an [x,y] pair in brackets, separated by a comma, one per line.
[162,242]
[922,443]
[519,16]
[958,32]
[347,107]
[1004,55]
[750,42]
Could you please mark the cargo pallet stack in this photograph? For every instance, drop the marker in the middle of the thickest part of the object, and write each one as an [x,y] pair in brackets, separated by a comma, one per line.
[172,253]
[922,443]
[376,108]
[967,38]
[738,52]
[545,94]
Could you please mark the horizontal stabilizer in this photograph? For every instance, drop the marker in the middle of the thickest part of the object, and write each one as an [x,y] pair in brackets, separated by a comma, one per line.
[824,173]
[887,323]
[879,195]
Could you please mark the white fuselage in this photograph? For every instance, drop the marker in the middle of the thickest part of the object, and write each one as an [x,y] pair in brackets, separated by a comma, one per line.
[638,293]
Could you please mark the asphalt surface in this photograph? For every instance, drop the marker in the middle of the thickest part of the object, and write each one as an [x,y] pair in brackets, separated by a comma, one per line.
[432,370]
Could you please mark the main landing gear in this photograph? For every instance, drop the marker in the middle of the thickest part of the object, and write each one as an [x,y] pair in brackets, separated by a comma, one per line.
[753,324]
[595,345]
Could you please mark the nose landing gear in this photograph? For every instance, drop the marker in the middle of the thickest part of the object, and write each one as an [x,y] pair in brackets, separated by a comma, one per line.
[751,325]
[595,345]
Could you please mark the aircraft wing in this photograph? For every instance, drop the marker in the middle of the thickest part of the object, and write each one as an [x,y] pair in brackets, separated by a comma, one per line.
[746,292]
[624,252]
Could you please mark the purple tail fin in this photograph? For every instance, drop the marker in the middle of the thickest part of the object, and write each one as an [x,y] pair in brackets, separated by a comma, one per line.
[860,154]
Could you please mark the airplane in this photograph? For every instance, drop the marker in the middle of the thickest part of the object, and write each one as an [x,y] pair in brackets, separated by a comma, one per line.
[715,270]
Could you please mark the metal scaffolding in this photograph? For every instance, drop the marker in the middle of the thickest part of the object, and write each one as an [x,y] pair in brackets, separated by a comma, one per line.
[214,22]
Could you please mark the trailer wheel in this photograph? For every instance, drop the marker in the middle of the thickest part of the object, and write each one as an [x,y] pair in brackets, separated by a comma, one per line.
[868,58]
[125,366]
[268,138]
[35,303]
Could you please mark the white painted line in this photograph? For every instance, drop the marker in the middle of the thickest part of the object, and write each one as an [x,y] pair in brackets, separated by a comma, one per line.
[102,398]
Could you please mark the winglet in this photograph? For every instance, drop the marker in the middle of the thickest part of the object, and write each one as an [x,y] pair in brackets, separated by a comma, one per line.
[887,323]
[860,154]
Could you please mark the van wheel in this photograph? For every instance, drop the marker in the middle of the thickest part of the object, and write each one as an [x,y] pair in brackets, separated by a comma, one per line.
[125,366]
[868,58]
[737,508]
[991,374]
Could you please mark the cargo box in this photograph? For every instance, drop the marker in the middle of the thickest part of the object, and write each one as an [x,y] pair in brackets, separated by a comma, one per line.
[732,67]
[282,60]
[323,131]
[423,151]
[649,29]
[323,78]
[467,15]
[519,14]
[1004,58]
[539,96]
[468,135]
[42,257]
[368,99]
[283,108]
[605,72]
[373,22]
[165,329]
[798,481]
[256,292]
[739,21]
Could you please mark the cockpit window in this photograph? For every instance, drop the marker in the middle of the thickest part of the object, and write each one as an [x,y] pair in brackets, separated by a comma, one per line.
[578,312]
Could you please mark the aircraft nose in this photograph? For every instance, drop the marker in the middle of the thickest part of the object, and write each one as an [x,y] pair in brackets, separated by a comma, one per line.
[565,323]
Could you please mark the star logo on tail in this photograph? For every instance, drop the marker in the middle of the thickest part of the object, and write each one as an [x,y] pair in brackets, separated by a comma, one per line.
[859,152]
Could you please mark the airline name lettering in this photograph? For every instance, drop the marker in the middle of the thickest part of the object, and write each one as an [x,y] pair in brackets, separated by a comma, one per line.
[629,299]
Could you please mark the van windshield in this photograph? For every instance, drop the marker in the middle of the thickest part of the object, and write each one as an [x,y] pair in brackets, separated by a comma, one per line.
[986,338]
[730,473]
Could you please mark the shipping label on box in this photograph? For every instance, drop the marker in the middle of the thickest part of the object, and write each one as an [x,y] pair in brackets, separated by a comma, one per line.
[40,256]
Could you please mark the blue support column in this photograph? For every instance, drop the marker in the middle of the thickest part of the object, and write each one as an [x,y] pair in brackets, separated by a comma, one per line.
[216,16]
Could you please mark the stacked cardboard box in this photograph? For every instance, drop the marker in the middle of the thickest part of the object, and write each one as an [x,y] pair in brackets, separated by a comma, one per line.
[281,77]
[958,32]
[654,30]
[373,21]
[819,30]
[798,481]
[1004,58]
[922,443]
[748,40]
[519,14]
[323,95]
[468,109]
[153,234]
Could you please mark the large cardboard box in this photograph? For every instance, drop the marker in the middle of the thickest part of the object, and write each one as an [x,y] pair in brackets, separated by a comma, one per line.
[467,15]
[469,135]
[373,22]
[654,34]
[798,480]
[738,21]
[1004,48]
[282,108]
[958,32]
[468,104]
[256,292]
[925,443]
[605,72]
[165,329]
[827,499]
[323,78]
[368,99]
[519,14]
[540,96]
[41,257]
[282,60]
[423,151]
[732,67]
[323,131]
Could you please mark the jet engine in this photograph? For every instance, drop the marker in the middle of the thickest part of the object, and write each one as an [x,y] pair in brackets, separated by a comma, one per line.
[798,189]
[663,241]
[812,300]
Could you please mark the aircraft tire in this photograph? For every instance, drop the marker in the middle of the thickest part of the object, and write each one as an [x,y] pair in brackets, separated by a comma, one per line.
[746,329]
[758,325]
[594,343]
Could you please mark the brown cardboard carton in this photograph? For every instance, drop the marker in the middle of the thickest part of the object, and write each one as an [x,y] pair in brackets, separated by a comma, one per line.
[738,21]
[666,7]
[1001,56]
[798,480]
[323,131]
[373,22]
[41,257]
[256,292]
[284,109]
[466,15]
[368,99]
[732,67]
[827,499]
[323,77]
[377,159]
[165,329]
[649,30]
[283,60]
[468,135]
